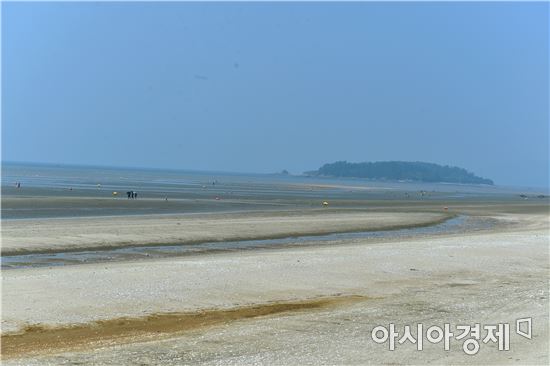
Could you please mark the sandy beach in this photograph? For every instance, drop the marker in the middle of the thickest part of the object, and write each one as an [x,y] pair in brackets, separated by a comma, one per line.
[264,304]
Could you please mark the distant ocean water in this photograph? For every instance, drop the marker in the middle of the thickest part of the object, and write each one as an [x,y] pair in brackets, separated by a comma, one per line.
[120,179]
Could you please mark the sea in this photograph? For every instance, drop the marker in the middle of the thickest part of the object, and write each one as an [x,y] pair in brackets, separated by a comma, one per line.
[174,181]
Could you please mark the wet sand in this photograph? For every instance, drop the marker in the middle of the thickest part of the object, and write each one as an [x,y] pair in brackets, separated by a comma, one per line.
[489,277]
[24,207]
[41,202]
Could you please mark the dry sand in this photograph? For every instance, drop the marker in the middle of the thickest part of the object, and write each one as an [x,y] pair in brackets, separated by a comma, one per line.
[478,278]
[43,235]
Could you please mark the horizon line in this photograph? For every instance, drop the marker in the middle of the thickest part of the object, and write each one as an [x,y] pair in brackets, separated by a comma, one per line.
[2,162]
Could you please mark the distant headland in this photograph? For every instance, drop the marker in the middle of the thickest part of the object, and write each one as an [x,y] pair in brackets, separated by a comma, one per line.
[400,170]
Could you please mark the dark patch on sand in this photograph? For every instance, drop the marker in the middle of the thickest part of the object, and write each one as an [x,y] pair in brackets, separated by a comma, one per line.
[39,339]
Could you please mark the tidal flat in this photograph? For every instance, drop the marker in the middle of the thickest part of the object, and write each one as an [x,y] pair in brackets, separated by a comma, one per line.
[313,303]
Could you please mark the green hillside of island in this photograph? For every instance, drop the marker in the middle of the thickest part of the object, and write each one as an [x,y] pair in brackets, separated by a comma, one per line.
[400,170]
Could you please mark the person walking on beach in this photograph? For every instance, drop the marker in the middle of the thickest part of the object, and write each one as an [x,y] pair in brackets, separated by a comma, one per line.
[129,193]
[135,195]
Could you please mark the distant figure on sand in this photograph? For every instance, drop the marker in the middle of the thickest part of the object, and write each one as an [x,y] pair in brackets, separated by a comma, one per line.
[131,194]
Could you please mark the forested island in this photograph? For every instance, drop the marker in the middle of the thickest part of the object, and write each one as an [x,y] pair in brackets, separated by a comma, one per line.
[400,170]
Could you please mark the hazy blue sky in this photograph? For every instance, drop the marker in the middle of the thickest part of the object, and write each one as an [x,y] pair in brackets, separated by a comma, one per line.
[263,87]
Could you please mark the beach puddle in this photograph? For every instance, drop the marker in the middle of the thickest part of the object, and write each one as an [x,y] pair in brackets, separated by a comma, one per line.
[453,225]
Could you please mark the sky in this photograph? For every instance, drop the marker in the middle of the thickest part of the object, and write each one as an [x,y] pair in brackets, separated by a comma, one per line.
[250,87]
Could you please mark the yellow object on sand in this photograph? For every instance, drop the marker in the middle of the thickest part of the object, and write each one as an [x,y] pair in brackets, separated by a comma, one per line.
[325,203]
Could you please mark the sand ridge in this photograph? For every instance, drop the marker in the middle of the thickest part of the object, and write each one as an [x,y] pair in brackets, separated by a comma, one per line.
[50,235]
